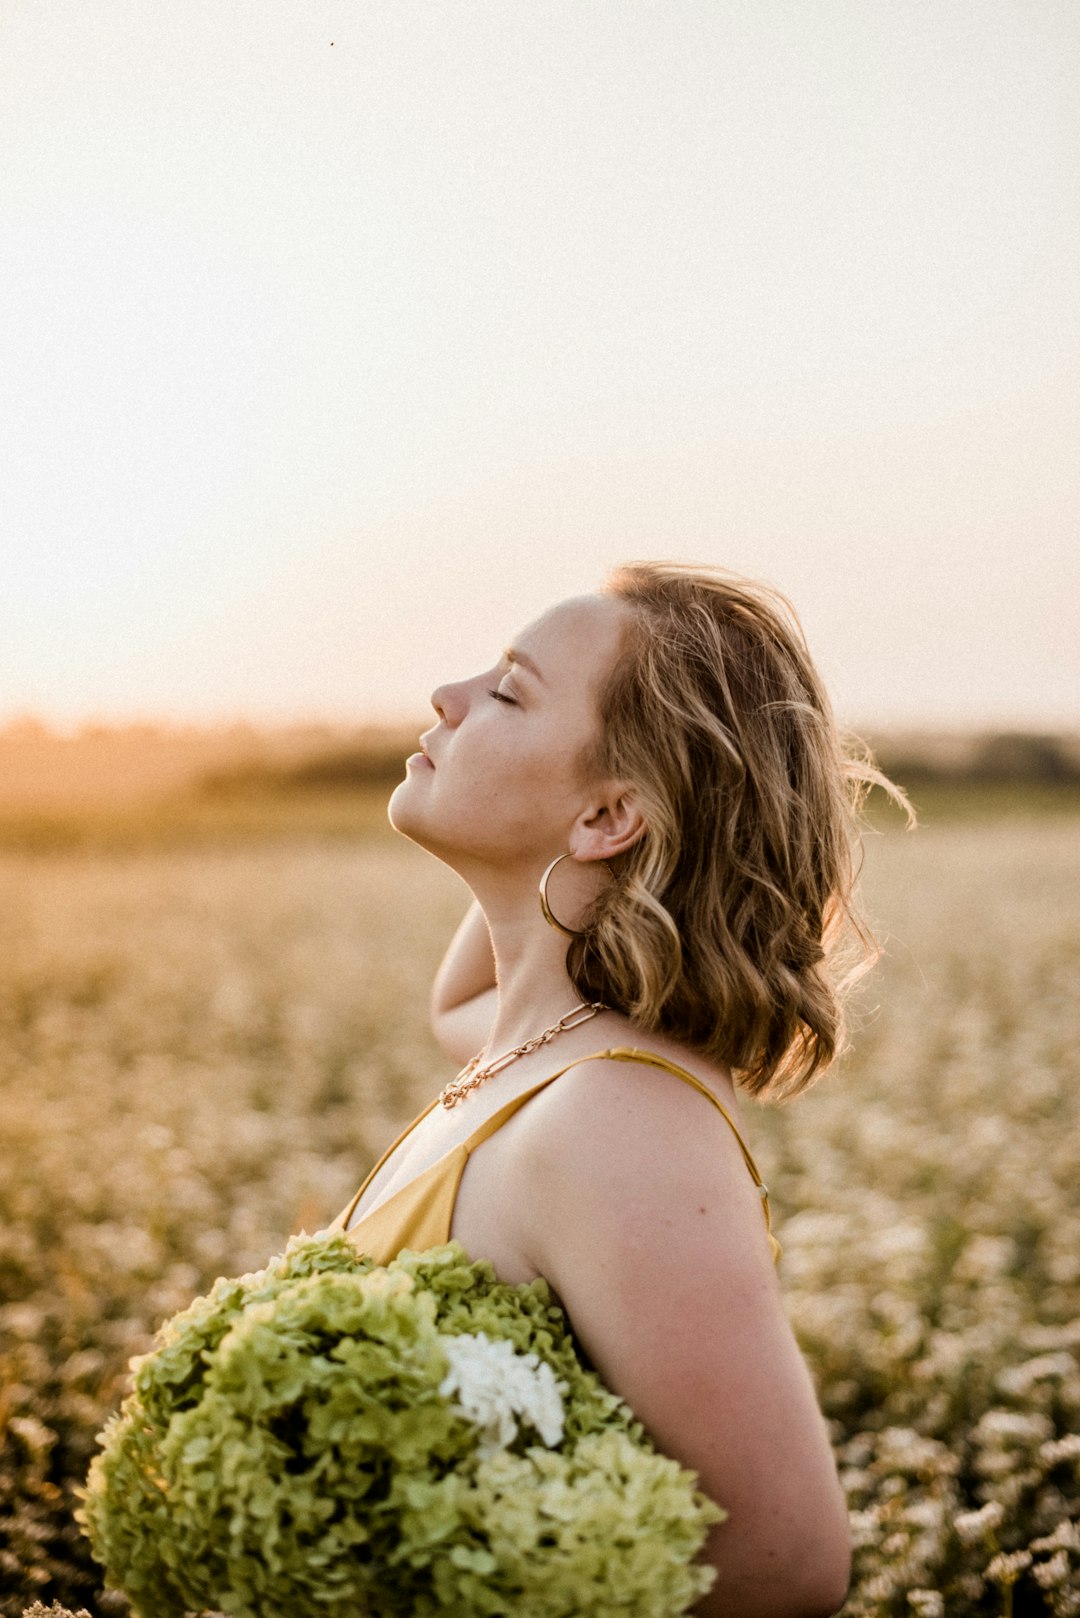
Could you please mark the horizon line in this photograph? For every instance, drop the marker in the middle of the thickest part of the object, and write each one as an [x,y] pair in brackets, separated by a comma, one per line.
[54,727]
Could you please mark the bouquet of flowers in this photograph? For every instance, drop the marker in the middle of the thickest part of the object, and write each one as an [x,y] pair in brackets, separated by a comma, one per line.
[331,1438]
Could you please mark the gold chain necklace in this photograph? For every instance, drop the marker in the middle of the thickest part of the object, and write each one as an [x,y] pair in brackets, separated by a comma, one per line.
[472,1074]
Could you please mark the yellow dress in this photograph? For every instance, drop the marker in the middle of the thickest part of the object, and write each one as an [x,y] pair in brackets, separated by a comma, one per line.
[418,1215]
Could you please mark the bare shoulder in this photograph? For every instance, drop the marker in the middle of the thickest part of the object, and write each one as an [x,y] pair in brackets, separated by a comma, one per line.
[629,1142]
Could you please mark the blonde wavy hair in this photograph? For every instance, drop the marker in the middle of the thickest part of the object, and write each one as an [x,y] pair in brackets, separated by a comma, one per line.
[730,925]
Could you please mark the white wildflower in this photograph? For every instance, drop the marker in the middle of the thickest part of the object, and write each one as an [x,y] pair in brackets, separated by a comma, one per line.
[1005,1427]
[1048,1575]
[1056,1450]
[1018,1379]
[986,1257]
[1007,1566]
[925,1513]
[865,1528]
[903,1449]
[880,1586]
[494,1384]
[973,1525]
[1066,1536]
[1043,1338]
[927,1603]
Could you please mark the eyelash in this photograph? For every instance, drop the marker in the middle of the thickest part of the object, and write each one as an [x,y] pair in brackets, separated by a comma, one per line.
[501,697]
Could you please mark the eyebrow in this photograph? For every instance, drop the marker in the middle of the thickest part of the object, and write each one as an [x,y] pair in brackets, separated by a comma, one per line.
[513,656]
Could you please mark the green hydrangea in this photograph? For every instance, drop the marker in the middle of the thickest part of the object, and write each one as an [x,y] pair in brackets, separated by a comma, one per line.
[287,1449]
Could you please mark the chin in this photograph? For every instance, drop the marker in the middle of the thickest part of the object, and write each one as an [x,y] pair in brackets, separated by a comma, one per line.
[397,810]
[407,816]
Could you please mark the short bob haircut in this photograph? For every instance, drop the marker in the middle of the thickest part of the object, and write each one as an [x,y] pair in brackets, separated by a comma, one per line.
[725,923]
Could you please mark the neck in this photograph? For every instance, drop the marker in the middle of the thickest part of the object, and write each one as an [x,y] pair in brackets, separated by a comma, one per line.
[530,968]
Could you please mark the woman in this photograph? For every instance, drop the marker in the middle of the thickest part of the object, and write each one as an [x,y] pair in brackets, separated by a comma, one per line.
[662,754]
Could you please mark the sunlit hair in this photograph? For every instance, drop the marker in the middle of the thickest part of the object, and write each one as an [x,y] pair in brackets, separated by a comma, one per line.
[730,925]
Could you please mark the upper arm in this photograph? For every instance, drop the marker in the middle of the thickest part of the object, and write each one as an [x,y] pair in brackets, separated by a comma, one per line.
[462,1030]
[463,996]
[639,1211]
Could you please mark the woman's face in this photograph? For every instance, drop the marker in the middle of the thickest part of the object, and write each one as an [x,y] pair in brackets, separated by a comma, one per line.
[498,779]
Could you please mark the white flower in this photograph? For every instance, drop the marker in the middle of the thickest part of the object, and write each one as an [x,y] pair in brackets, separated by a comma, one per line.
[1066,1536]
[1007,1567]
[1057,1450]
[974,1525]
[1049,1575]
[1018,1379]
[1001,1428]
[494,1384]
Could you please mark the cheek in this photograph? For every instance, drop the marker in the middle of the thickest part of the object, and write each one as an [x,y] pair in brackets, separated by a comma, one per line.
[520,795]
[503,757]
[513,798]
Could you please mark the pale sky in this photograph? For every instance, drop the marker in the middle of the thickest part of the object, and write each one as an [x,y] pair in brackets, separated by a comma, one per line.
[337,340]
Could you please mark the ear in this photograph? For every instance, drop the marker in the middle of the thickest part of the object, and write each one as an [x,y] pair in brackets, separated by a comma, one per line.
[611,824]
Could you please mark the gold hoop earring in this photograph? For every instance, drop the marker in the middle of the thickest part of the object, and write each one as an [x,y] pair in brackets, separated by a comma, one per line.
[549,915]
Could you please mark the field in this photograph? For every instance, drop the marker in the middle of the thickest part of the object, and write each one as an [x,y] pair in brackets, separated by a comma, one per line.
[208,1032]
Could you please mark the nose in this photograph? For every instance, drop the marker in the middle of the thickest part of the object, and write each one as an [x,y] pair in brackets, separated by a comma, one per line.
[447,702]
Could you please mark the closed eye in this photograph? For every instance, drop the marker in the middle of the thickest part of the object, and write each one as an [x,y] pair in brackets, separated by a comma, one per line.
[500,696]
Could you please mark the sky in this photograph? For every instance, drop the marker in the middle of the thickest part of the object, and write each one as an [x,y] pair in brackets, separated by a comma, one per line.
[339,338]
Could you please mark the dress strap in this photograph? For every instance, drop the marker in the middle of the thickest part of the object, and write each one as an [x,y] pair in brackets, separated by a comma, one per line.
[631,1053]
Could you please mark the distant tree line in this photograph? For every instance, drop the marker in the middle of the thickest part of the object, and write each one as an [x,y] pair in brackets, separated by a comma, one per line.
[364,765]
[999,757]
[996,757]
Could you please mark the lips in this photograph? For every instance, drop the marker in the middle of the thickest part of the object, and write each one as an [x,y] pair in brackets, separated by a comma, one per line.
[421,759]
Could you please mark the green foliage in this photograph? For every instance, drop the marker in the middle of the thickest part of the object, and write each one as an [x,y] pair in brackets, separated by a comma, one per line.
[287,1448]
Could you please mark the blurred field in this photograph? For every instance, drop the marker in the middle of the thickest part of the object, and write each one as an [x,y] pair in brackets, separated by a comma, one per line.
[143,785]
[212,1018]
